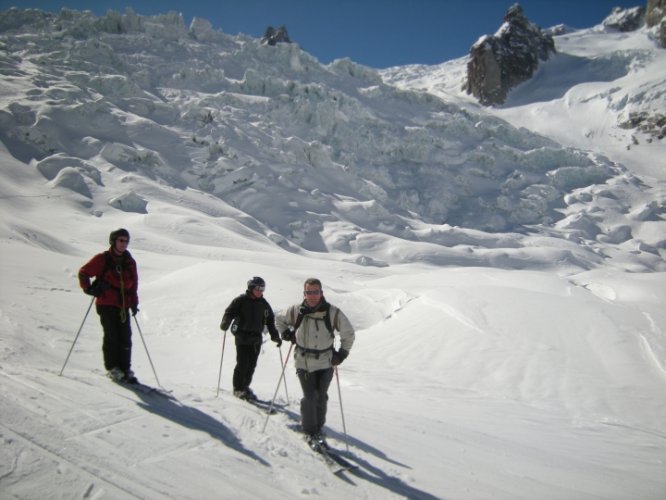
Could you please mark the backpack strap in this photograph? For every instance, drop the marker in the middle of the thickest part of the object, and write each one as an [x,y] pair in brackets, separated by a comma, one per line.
[108,264]
[327,320]
[299,319]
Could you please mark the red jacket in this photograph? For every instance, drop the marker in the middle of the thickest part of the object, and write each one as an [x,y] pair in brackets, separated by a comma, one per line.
[106,266]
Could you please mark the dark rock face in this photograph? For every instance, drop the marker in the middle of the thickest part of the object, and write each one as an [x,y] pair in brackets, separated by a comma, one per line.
[501,61]
[656,16]
[273,36]
[652,124]
[656,10]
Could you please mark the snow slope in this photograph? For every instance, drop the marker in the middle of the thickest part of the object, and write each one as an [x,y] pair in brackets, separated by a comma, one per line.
[488,364]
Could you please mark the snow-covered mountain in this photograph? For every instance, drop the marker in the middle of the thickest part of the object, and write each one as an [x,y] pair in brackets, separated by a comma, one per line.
[504,267]
[304,149]
[581,97]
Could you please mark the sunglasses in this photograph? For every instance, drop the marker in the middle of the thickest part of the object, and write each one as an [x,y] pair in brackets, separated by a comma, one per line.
[260,288]
[311,292]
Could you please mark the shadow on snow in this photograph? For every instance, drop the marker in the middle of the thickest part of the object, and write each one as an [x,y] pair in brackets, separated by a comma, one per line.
[192,418]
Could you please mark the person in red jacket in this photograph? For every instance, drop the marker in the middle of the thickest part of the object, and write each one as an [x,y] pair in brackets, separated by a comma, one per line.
[115,287]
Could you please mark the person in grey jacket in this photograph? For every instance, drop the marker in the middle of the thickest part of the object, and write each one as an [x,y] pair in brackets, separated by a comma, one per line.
[310,325]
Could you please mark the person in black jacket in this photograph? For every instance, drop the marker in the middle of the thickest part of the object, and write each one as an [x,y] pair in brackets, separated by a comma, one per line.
[247,315]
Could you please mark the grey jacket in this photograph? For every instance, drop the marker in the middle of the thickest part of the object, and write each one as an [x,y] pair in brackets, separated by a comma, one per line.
[313,350]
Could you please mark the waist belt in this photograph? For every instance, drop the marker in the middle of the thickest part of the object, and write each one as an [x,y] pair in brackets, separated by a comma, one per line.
[314,352]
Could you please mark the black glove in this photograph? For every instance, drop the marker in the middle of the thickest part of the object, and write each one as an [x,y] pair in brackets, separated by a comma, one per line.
[276,338]
[135,310]
[95,289]
[338,356]
[289,335]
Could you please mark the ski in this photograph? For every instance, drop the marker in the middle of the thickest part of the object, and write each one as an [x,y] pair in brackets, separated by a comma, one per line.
[266,405]
[147,389]
[335,462]
[343,463]
[334,466]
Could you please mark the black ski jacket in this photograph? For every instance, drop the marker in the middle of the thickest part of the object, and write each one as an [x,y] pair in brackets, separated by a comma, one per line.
[250,315]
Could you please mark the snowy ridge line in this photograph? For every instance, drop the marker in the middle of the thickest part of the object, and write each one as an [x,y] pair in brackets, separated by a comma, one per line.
[652,356]
[125,391]
[50,440]
[171,409]
[81,465]
[96,430]
[623,425]
[60,396]
[42,391]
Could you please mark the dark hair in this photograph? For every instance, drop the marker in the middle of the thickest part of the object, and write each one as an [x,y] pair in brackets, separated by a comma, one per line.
[312,282]
[117,234]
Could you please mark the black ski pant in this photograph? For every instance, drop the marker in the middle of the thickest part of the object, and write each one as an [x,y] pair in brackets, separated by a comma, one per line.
[117,343]
[246,362]
[315,398]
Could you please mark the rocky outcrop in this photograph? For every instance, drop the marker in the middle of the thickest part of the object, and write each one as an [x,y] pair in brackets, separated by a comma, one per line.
[656,16]
[652,124]
[273,36]
[500,62]
[625,19]
[656,10]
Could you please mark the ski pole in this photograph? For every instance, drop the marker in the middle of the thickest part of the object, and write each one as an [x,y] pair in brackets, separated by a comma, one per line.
[219,377]
[147,353]
[344,427]
[270,409]
[284,380]
[77,336]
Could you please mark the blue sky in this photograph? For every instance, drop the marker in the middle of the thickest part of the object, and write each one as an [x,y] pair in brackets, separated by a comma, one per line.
[377,33]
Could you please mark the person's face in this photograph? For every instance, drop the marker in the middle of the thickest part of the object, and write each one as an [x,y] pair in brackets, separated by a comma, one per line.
[312,294]
[257,291]
[120,244]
